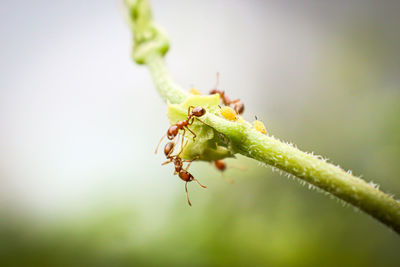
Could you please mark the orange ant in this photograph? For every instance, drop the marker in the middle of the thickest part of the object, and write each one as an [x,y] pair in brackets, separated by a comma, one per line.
[173,130]
[238,105]
[221,166]
[178,162]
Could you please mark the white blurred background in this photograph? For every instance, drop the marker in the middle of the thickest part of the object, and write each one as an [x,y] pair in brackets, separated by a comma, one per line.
[80,120]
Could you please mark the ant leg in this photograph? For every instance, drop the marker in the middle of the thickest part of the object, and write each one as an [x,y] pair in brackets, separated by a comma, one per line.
[183,138]
[199,183]
[155,152]
[169,153]
[201,121]
[217,81]
[229,180]
[190,107]
[182,145]
[196,158]
[194,135]
[239,167]
[187,194]
[190,162]
[182,148]
[167,162]
[168,156]
[191,122]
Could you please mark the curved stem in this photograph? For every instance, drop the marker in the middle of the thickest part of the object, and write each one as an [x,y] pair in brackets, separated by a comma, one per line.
[168,90]
[266,149]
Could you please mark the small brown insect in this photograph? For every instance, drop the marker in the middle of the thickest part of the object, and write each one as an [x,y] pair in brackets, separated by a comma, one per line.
[220,164]
[169,148]
[178,163]
[238,105]
[173,130]
[183,172]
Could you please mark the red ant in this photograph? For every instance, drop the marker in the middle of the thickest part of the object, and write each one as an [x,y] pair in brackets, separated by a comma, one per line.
[173,130]
[221,166]
[238,105]
[178,162]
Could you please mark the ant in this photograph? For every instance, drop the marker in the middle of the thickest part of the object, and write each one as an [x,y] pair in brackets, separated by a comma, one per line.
[173,130]
[221,166]
[238,105]
[178,162]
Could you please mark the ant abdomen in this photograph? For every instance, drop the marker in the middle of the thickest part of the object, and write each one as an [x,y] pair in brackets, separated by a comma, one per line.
[220,164]
[172,132]
[185,176]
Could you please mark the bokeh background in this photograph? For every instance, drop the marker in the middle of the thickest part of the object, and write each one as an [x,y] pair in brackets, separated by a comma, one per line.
[80,184]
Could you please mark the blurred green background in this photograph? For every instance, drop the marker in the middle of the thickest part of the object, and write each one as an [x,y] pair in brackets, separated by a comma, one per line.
[80,185]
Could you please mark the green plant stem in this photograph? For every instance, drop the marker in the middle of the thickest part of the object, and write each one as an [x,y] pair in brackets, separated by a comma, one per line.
[266,149]
[169,91]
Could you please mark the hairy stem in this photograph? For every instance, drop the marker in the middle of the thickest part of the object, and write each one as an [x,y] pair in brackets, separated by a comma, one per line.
[247,141]
[168,90]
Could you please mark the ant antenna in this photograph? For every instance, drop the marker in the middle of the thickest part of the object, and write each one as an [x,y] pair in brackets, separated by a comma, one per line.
[229,180]
[155,152]
[239,167]
[217,82]
[187,194]
[182,147]
[200,183]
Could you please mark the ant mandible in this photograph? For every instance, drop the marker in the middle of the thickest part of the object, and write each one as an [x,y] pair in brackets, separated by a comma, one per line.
[238,105]
[178,162]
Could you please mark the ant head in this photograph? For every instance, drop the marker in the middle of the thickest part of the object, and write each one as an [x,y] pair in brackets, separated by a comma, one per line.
[239,107]
[169,147]
[217,81]
[198,111]
[214,91]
